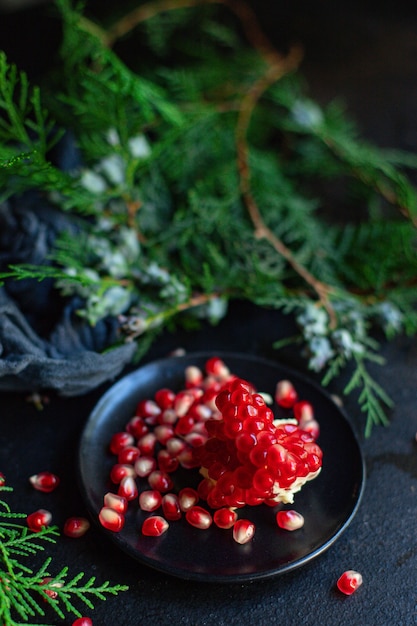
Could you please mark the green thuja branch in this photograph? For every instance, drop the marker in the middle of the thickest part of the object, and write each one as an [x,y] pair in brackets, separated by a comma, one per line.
[26,593]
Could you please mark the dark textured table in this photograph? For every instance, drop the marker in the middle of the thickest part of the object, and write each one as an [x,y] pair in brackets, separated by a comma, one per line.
[368,55]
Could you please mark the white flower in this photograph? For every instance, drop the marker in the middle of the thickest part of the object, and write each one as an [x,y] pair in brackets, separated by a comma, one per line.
[139,147]
[93,182]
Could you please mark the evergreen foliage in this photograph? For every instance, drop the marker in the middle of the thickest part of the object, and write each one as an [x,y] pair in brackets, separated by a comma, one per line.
[206,174]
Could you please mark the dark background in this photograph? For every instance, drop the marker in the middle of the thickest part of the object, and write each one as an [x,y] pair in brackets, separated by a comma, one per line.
[366,54]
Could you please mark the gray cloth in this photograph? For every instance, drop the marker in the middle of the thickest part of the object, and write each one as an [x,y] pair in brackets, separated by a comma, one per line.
[44,344]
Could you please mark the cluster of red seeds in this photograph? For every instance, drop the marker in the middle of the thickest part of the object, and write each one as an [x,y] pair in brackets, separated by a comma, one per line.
[220,425]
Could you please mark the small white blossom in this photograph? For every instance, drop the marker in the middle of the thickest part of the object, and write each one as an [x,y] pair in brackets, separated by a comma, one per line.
[114,168]
[93,182]
[139,147]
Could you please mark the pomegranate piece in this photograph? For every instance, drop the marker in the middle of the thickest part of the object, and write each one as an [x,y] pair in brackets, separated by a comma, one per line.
[83,621]
[171,507]
[128,488]
[2,479]
[76,527]
[165,398]
[188,497]
[121,440]
[111,519]
[161,481]
[44,481]
[225,518]
[154,526]
[128,455]
[150,500]
[199,517]
[115,502]
[52,591]
[120,471]
[144,465]
[349,581]
[290,520]
[38,520]
[243,531]
[285,394]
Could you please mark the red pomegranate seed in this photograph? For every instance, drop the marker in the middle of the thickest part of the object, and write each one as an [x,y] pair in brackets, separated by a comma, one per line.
[195,440]
[2,479]
[175,446]
[115,502]
[183,402]
[285,394]
[52,591]
[146,444]
[150,500]
[188,497]
[137,427]
[289,520]
[111,519]
[128,455]
[38,520]
[161,481]
[199,517]
[349,581]
[165,398]
[121,440]
[120,471]
[171,507]
[76,527]
[128,488]
[225,518]
[311,427]
[217,367]
[154,526]
[147,408]
[243,531]
[144,465]
[168,416]
[193,376]
[163,432]
[83,621]
[166,462]
[303,411]
[44,481]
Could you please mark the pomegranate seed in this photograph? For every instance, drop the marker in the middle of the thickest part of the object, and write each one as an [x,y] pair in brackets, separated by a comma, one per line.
[183,402]
[195,440]
[44,481]
[289,520]
[168,416]
[144,465]
[285,394]
[163,433]
[243,531]
[349,581]
[199,517]
[137,427]
[171,507]
[51,592]
[193,376]
[111,519]
[146,444]
[83,621]
[184,425]
[38,520]
[115,502]
[225,518]
[121,440]
[312,427]
[147,408]
[166,462]
[76,527]
[2,479]
[188,497]
[120,471]
[161,481]
[175,446]
[303,411]
[150,500]
[128,455]
[217,367]
[165,398]
[154,526]
[128,488]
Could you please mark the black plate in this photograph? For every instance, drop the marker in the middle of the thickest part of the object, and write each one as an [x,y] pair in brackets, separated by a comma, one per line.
[327,503]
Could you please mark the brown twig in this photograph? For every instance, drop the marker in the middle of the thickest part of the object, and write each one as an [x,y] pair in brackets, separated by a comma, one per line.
[280,67]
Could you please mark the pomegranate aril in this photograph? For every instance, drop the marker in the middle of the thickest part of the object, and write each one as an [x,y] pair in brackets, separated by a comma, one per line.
[128,488]
[144,465]
[38,520]
[137,427]
[147,408]
[175,446]
[154,526]
[111,519]
[183,402]
[116,502]
[163,432]
[171,507]
[193,376]
[44,481]
[2,479]
[83,621]
[290,520]
[166,462]
[76,527]
[165,398]
[312,427]
[128,455]
[349,581]
[146,444]
[243,531]
[199,517]
[161,481]
[121,440]
[285,394]
[225,518]
[51,592]
[120,471]
[150,500]
[188,497]
[303,411]
[184,425]
[217,367]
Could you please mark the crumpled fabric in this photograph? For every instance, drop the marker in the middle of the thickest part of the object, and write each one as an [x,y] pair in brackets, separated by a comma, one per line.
[44,344]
